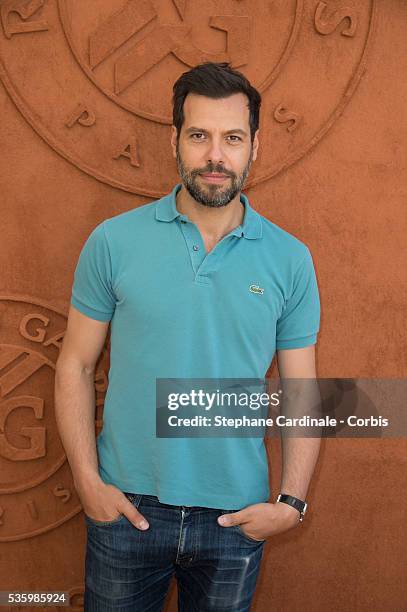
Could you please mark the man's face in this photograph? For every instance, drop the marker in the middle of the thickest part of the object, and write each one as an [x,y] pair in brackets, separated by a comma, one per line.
[214,151]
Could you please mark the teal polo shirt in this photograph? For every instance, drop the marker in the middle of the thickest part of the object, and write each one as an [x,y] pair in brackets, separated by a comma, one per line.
[179,312]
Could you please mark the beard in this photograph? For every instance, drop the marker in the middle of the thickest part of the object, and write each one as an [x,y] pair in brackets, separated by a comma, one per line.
[212,195]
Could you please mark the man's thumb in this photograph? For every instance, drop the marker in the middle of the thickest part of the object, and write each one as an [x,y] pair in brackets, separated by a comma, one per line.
[227,520]
[136,518]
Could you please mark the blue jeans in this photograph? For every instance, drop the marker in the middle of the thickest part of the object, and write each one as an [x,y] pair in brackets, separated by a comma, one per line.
[127,569]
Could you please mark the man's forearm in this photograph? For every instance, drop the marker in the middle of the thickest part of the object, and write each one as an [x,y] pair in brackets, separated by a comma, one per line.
[299,457]
[301,398]
[75,417]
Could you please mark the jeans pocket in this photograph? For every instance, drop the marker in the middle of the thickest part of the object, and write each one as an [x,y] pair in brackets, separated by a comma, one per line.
[93,521]
[135,499]
[238,529]
[247,537]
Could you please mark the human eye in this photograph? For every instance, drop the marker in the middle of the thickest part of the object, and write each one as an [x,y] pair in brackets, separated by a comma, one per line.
[234,138]
[195,135]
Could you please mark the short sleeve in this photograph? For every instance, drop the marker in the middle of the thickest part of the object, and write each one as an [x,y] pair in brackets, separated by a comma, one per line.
[92,291]
[299,322]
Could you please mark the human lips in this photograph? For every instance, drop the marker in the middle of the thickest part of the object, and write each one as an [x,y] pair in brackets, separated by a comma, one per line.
[213,177]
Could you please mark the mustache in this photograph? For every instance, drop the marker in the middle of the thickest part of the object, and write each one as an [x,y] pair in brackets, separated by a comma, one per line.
[214,169]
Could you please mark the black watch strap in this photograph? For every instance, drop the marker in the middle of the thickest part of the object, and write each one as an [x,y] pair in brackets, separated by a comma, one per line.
[296,503]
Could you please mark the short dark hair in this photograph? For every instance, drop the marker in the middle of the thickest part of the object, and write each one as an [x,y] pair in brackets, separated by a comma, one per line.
[214,80]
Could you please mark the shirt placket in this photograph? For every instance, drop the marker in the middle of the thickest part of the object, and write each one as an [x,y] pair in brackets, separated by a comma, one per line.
[203,264]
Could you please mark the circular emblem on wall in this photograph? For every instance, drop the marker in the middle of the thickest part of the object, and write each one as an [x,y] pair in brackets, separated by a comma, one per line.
[36,491]
[94,79]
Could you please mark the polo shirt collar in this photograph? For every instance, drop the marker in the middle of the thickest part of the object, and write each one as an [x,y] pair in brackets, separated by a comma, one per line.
[251,227]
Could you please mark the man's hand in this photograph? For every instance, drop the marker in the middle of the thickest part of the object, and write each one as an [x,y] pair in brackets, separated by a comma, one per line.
[259,521]
[105,502]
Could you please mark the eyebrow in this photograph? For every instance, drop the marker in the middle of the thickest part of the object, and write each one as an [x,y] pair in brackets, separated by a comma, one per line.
[198,129]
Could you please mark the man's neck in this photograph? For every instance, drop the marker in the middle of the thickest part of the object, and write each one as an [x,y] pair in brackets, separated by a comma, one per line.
[213,222]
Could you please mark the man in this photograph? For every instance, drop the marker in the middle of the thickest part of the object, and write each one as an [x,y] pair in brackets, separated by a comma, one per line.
[196,284]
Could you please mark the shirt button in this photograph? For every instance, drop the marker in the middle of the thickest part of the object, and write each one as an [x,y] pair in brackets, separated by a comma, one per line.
[195,247]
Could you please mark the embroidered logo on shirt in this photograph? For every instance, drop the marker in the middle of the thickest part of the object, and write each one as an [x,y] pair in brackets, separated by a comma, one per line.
[256,289]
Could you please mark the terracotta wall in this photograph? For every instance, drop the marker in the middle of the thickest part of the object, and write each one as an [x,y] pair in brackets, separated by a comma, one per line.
[85,115]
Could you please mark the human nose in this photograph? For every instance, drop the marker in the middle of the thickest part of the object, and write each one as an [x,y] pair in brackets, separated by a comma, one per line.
[215,154]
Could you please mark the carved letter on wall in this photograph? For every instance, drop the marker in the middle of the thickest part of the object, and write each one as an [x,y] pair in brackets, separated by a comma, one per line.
[335,18]
[283,115]
[81,115]
[130,150]
[40,333]
[36,435]
[25,10]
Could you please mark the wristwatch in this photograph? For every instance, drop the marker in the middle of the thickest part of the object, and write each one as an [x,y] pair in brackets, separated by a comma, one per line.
[296,503]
